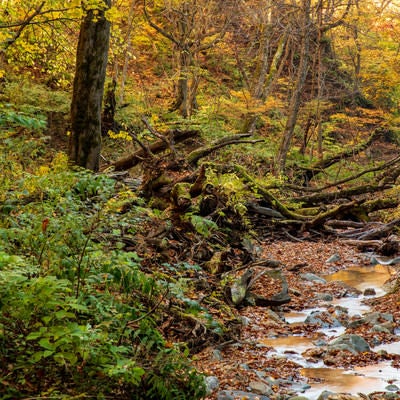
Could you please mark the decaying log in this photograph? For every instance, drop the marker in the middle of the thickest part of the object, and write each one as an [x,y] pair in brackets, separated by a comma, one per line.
[268,212]
[268,196]
[332,213]
[326,197]
[156,147]
[382,231]
[334,223]
[363,244]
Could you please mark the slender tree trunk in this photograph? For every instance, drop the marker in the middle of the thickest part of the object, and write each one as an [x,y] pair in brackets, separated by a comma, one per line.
[298,90]
[91,63]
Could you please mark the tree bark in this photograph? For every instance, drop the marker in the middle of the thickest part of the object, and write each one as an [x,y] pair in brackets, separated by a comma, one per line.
[297,91]
[91,63]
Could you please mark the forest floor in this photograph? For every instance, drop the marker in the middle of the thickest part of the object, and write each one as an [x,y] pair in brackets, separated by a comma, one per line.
[247,364]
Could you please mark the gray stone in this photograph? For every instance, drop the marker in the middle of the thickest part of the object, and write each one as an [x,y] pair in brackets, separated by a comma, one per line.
[234,394]
[324,395]
[356,323]
[380,328]
[217,355]
[333,258]
[352,343]
[392,388]
[374,317]
[274,316]
[391,396]
[323,319]
[212,384]
[260,387]
[324,296]
[312,277]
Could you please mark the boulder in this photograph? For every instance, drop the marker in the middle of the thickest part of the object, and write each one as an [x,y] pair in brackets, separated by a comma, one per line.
[353,343]
[238,394]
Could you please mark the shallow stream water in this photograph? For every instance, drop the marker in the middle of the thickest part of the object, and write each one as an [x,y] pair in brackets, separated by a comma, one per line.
[358,379]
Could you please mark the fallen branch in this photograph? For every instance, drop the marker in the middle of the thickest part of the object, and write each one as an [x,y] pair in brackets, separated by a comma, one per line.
[197,154]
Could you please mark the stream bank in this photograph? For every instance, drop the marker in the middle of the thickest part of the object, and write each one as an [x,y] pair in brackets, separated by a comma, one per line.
[339,334]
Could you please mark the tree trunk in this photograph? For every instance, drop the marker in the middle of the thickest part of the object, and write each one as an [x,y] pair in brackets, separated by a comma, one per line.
[91,63]
[298,90]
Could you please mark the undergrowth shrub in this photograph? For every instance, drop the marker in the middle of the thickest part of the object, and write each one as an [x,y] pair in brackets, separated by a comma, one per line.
[78,316]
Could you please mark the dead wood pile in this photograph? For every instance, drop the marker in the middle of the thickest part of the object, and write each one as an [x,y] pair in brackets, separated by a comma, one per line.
[210,225]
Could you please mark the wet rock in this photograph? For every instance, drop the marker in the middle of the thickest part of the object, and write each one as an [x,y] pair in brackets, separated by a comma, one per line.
[323,319]
[337,396]
[341,312]
[380,328]
[260,388]
[324,296]
[320,342]
[274,316]
[312,277]
[392,388]
[298,398]
[212,384]
[393,261]
[324,395]
[373,318]
[234,394]
[217,355]
[369,292]
[333,258]
[314,354]
[300,388]
[391,396]
[356,323]
[353,343]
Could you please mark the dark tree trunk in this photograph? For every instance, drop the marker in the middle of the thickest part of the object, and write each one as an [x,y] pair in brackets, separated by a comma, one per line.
[91,63]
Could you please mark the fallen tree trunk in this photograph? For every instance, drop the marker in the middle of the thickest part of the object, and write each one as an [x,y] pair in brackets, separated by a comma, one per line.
[326,197]
[155,148]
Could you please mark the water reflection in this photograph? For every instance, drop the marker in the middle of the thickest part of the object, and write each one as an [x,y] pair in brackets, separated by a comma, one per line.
[362,277]
[364,380]
[290,347]
[282,344]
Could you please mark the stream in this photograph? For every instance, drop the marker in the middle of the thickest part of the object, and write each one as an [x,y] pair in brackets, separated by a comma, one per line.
[321,377]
